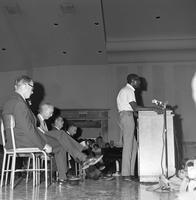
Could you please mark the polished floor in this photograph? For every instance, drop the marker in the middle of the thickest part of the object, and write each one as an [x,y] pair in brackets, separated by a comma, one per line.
[116,189]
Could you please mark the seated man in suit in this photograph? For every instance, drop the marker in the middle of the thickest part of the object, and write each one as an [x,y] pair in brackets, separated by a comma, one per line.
[45,112]
[72,129]
[28,135]
[58,123]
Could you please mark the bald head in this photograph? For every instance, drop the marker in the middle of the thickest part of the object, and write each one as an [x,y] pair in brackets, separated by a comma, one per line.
[46,110]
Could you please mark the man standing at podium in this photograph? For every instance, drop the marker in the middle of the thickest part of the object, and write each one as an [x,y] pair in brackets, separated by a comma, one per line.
[126,103]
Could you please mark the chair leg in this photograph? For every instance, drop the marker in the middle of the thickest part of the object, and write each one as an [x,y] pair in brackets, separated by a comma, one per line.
[13,171]
[51,163]
[82,172]
[34,169]
[41,164]
[46,171]
[8,169]
[37,171]
[76,168]
[28,166]
[44,167]
[3,168]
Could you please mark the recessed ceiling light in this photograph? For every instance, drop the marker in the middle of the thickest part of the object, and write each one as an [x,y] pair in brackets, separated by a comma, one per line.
[13,9]
[67,8]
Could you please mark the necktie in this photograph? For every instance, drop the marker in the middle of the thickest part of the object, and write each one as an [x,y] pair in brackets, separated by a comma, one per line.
[45,128]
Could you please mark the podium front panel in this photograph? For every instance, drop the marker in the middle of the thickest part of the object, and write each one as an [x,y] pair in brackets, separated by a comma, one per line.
[151,145]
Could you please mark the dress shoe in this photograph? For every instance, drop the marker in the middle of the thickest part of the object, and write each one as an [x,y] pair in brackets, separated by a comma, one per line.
[65,183]
[107,178]
[116,174]
[74,180]
[102,167]
[62,181]
[91,161]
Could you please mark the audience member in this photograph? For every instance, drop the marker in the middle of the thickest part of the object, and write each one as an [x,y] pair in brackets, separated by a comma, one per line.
[100,142]
[58,123]
[112,144]
[96,150]
[107,145]
[72,129]
[112,156]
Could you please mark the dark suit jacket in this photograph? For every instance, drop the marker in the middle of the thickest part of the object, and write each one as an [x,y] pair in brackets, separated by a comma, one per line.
[26,132]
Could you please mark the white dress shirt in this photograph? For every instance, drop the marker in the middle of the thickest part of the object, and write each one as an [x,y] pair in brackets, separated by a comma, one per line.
[125,96]
[43,127]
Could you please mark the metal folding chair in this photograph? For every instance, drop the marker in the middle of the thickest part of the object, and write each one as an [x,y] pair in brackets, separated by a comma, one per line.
[11,152]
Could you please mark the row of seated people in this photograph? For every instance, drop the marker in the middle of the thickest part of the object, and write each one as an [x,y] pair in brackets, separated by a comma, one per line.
[30,134]
[56,123]
[109,164]
[91,147]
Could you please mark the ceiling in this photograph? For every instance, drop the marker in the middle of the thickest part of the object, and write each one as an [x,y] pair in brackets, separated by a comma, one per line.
[39,33]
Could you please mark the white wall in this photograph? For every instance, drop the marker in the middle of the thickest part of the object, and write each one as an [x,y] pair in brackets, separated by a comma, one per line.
[97,87]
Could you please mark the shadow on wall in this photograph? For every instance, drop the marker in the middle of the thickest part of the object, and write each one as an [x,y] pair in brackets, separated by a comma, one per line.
[138,92]
[140,102]
[37,97]
[177,124]
[178,137]
[35,100]
[178,134]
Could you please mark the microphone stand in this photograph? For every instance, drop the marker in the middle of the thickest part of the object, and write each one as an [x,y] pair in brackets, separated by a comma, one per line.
[163,106]
[163,180]
[165,134]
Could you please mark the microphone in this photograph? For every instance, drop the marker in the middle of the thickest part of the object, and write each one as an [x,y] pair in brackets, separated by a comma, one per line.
[159,103]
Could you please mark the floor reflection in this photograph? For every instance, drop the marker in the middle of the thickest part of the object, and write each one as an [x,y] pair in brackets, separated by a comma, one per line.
[145,194]
[115,189]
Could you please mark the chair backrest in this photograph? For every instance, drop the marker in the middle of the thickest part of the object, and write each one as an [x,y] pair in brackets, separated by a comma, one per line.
[3,134]
[7,131]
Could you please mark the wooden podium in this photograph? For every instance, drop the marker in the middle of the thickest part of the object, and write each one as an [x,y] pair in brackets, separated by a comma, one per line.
[151,151]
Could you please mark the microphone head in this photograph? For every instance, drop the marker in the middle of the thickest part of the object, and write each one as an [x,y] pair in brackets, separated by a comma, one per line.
[154,101]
